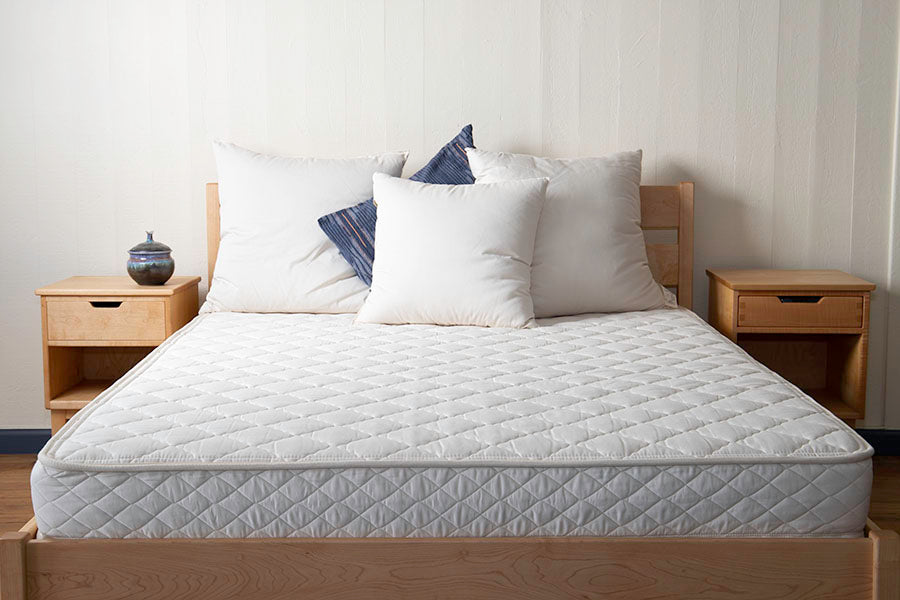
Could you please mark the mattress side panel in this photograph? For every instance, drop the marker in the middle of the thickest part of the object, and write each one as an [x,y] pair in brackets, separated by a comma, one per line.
[761,500]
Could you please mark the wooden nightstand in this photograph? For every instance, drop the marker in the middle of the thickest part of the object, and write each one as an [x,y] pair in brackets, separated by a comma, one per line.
[811,327]
[97,328]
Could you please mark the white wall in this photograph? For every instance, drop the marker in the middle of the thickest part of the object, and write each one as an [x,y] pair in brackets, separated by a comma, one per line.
[782,112]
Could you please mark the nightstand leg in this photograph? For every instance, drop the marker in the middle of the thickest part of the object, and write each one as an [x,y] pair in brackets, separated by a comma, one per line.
[58,418]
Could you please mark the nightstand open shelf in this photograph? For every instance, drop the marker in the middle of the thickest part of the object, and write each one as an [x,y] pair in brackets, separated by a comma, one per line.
[81,372]
[811,327]
[823,365]
[97,328]
[80,394]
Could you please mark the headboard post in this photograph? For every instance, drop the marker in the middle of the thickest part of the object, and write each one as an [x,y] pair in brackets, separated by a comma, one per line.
[671,207]
[212,229]
[662,207]
[686,245]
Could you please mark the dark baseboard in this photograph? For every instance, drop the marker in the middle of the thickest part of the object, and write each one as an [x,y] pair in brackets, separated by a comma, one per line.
[23,441]
[885,441]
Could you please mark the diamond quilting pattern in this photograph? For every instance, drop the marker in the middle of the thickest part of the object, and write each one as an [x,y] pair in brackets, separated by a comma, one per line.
[248,425]
[678,500]
[261,390]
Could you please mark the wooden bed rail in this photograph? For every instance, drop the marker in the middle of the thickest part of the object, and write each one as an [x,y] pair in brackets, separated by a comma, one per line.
[865,568]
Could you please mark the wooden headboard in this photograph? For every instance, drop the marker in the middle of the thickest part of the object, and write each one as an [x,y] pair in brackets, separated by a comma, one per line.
[662,207]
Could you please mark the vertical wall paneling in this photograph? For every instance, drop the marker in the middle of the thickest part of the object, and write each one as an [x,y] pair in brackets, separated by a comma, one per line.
[560,73]
[246,78]
[517,124]
[835,124]
[678,98]
[89,58]
[892,359]
[21,35]
[364,66]
[678,92]
[466,69]
[130,114]
[755,131]
[782,112]
[599,72]
[481,63]
[207,113]
[404,79]
[53,77]
[639,53]
[443,77]
[795,153]
[286,96]
[871,201]
[719,212]
[168,148]
[322,36]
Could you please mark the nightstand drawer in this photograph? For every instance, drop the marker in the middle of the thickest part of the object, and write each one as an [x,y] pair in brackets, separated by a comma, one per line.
[106,319]
[800,311]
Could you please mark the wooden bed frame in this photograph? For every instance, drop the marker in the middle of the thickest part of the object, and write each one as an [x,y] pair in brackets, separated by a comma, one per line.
[866,568]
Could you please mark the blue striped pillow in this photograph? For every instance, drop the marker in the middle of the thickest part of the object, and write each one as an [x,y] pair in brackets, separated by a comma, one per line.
[353,229]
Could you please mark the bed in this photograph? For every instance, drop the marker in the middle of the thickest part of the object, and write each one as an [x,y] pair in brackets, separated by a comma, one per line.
[627,456]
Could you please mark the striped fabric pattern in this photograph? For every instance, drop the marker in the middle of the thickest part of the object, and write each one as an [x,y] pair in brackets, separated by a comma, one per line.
[353,229]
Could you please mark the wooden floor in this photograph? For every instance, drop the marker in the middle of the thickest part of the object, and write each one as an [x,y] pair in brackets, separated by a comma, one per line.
[15,500]
[15,491]
[885,508]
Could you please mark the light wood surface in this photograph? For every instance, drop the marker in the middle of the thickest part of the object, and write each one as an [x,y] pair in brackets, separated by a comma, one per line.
[30,528]
[828,311]
[77,396]
[723,309]
[667,207]
[801,359]
[114,285]
[663,260]
[660,206]
[820,345]
[464,568]
[686,245]
[12,565]
[104,363]
[94,329]
[887,564]
[213,229]
[790,279]
[75,319]
[180,309]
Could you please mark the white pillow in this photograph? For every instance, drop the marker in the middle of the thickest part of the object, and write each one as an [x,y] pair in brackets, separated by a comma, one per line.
[273,257]
[589,253]
[453,254]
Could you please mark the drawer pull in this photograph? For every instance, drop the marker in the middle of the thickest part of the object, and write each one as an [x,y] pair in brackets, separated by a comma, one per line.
[106,303]
[800,299]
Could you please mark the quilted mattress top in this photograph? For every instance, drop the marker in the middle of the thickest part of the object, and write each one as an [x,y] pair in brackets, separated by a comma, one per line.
[268,391]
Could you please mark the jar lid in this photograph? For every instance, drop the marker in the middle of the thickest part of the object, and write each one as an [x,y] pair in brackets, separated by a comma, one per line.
[150,246]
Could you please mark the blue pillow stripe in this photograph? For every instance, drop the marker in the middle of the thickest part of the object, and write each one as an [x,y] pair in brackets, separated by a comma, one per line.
[353,229]
[450,165]
[356,242]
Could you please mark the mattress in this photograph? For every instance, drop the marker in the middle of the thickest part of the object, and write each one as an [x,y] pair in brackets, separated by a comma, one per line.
[634,424]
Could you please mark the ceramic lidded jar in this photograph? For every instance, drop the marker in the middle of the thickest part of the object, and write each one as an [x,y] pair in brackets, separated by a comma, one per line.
[150,262]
